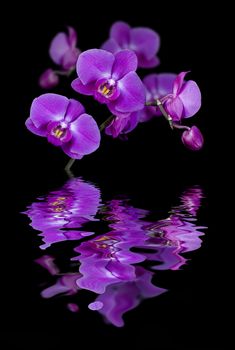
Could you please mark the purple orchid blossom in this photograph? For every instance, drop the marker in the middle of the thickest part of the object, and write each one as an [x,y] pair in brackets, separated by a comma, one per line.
[63,50]
[64,122]
[184,100]
[157,86]
[193,139]
[143,41]
[48,79]
[160,86]
[111,79]
[61,213]
[120,126]
[64,53]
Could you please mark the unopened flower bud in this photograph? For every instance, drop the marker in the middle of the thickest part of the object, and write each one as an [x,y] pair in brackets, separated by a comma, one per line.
[48,79]
[193,138]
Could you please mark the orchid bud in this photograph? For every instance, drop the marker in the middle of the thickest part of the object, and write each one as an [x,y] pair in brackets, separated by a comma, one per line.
[48,79]
[193,138]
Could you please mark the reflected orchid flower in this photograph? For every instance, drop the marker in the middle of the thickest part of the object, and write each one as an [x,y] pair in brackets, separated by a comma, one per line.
[61,213]
[107,259]
[177,234]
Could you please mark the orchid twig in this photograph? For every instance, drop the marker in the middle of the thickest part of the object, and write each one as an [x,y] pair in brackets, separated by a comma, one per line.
[167,116]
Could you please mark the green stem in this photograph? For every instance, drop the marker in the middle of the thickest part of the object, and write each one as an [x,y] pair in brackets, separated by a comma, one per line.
[64,73]
[106,122]
[69,165]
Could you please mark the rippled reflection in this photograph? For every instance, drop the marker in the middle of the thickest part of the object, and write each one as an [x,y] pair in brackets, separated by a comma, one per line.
[61,211]
[111,264]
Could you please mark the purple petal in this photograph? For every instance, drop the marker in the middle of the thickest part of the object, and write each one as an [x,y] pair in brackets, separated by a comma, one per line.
[190,95]
[59,46]
[132,94]
[74,110]
[120,31]
[78,86]
[94,64]
[146,114]
[112,107]
[67,150]
[47,108]
[72,37]
[111,45]
[70,58]
[175,108]
[125,62]
[51,291]
[123,125]
[86,135]
[179,80]
[143,62]
[145,41]
[37,131]
[159,85]
[132,122]
[116,127]
[120,270]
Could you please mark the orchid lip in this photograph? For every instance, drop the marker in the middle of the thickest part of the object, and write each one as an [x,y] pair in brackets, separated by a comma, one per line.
[107,88]
[60,131]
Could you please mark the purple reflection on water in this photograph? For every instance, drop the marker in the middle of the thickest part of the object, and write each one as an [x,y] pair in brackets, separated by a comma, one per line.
[109,264]
[61,213]
[108,259]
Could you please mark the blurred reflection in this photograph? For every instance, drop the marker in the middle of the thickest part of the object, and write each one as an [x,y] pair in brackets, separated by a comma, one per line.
[61,211]
[110,264]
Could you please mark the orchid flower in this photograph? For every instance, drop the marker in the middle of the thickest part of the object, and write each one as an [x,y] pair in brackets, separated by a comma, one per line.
[145,42]
[64,122]
[111,79]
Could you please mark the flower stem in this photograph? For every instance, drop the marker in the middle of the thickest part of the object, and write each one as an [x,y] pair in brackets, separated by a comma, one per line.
[106,122]
[167,116]
[71,160]
[69,165]
[65,73]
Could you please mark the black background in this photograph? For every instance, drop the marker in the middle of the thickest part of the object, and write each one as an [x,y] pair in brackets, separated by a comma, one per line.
[152,167]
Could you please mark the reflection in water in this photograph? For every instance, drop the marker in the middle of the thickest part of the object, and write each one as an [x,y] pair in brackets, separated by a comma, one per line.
[109,264]
[58,213]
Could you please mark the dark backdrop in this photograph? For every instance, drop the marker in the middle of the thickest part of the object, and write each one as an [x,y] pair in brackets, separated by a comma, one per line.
[151,165]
